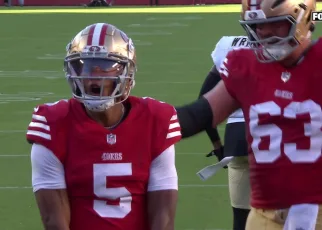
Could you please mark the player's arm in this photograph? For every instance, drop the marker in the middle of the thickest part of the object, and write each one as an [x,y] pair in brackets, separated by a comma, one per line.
[222,98]
[216,105]
[222,104]
[48,181]
[212,79]
[163,191]
[194,117]
[209,110]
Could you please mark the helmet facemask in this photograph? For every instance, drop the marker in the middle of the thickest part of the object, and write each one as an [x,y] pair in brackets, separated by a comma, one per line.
[274,48]
[99,82]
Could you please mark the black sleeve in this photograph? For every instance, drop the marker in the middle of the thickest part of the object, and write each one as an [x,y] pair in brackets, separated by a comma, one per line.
[194,117]
[210,82]
[197,116]
[212,79]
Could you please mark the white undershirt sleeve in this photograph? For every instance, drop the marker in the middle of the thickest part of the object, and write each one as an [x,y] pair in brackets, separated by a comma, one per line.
[47,171]
[163,173]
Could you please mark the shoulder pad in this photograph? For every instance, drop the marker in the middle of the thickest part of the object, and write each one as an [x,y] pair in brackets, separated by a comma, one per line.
[53,112]
[224,45]
[237,65]
[164,114]
[159,109]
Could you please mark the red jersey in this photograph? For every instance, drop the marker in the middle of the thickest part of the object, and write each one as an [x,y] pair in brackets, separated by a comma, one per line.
[282,108]
[106,172]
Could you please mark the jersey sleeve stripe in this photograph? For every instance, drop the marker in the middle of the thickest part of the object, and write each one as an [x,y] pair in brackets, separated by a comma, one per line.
[223,69]
[39,134]
[173,134]
[39,125]
[174,117]
[39,118]
[174,125]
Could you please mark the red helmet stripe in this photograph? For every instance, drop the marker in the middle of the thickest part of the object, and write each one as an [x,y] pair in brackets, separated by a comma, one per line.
[90,35]
[103,35]
[97,34]
[258,6]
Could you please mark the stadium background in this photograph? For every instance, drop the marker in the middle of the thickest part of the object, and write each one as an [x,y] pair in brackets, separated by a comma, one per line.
[173,58]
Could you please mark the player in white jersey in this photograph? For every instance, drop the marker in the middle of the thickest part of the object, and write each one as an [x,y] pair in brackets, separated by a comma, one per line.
[235,138]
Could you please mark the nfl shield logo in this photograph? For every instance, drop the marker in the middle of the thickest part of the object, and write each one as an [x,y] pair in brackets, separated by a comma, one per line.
[285,76]
[111,139]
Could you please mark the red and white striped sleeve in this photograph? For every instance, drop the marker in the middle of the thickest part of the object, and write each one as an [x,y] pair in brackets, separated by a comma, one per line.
[167,128]
[174,131]
[38,129]
[47,129]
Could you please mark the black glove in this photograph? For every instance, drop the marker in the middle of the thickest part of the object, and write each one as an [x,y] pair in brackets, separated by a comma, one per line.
[219,153]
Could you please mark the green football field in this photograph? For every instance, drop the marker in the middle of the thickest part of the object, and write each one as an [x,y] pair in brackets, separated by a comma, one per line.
[173,59]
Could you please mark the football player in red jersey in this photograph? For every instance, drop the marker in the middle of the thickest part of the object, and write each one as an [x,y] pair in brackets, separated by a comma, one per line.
[277,83]
[104,159]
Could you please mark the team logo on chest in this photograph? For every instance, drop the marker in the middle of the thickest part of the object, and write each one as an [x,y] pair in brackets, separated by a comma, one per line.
[111,139]
[285,76]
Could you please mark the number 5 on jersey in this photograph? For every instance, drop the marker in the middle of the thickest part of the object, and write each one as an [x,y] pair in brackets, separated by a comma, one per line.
[312,130]
[101,174]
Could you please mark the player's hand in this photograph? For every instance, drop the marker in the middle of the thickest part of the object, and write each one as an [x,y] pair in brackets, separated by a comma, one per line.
[219,153]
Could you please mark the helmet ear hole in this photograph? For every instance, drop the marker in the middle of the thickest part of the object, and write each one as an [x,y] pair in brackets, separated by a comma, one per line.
[312,27]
